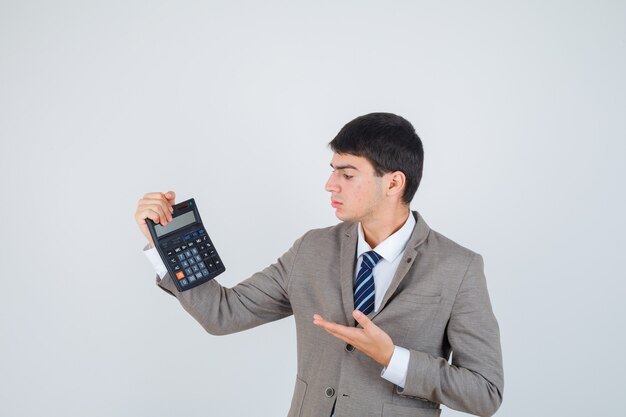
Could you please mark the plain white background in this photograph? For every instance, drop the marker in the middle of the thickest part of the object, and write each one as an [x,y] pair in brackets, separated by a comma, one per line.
[520,106]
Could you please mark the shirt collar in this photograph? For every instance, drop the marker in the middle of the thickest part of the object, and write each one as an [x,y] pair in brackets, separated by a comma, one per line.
[391,247]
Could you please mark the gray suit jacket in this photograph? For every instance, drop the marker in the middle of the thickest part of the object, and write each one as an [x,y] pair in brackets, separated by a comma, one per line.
[437,305]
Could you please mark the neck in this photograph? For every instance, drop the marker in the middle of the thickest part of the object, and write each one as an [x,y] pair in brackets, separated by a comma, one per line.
[379,229]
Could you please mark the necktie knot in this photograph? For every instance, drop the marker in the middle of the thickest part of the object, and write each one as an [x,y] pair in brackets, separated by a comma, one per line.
[371,258]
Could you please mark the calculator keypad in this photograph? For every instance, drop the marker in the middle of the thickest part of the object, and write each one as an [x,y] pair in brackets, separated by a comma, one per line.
[195,258]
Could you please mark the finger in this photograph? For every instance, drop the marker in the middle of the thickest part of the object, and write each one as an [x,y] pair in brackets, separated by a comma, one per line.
[164,217]
[336,329]
[320,321]
[362,319]
[338,336]
[149,213]
[154,196]
[161,206]
[166,198]
[167,209]
[171,196]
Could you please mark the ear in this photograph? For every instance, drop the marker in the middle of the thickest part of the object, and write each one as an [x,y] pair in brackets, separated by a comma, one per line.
[396,183]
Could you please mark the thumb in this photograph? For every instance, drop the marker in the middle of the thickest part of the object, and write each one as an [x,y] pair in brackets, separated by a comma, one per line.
[171,196]
[361,318]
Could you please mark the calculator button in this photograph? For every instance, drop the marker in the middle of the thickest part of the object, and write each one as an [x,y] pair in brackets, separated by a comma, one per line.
[180,275]
[198,240]
[195,268]
[191,261]
[181,256]
[170,253]
[217,262]
[177,250]
[176,267]
[173,260]
[191,244]
[191,278]
[188,271]
[205,272]
[194,251]
[200,232]
[198,258]
[205,238]
[187,237]
[185,264]
[184,282]
[188,254]
[201,265]
[183,247]
[194,234]
[198,274]
[212,252]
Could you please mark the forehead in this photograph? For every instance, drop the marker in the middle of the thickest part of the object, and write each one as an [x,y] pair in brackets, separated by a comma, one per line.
[348,161]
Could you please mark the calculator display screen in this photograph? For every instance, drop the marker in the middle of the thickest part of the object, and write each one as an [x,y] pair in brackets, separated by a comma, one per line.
[176,223]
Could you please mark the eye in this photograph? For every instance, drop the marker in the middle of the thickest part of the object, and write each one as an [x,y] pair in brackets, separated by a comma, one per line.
[348,177]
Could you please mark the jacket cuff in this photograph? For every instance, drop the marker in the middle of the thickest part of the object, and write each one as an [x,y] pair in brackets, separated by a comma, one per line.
[419,381]
[166,284]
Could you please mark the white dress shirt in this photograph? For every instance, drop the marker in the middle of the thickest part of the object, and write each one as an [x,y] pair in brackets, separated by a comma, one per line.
[391,251]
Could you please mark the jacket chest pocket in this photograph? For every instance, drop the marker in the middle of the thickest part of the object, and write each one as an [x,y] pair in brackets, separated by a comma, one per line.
[417,312]
[407,297]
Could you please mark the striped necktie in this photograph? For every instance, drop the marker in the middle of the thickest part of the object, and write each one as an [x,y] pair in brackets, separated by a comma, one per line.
[364,289]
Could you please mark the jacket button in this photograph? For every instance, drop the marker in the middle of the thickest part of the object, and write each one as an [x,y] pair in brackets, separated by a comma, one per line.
[330,392]
[349,347]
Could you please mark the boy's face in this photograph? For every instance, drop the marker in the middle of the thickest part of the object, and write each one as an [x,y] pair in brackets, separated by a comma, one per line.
[356,193]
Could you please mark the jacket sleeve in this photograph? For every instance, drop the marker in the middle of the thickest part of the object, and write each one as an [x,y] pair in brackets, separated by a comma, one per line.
[262,298]
[474,381]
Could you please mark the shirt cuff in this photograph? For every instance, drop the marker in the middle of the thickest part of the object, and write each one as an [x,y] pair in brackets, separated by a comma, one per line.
[398,366]
[155,259]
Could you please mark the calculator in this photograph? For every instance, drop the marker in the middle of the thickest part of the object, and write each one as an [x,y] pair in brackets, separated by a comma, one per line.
[186,248]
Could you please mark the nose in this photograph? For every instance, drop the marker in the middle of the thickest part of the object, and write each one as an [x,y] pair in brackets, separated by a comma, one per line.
[331,184]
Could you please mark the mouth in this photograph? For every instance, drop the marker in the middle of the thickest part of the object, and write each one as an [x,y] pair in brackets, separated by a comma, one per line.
[335,203]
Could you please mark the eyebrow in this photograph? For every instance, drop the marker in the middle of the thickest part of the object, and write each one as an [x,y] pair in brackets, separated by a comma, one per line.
[346,166]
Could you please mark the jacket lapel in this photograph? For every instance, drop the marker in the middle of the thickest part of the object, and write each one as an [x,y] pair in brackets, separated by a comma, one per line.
[347,260]
[420,232]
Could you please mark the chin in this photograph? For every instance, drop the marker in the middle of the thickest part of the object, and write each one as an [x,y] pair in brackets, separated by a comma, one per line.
[344,217]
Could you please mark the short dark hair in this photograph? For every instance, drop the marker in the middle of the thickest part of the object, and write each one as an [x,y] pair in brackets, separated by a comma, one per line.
[389,142]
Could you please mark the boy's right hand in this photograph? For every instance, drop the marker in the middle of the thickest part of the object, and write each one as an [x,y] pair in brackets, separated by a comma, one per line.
[156,207]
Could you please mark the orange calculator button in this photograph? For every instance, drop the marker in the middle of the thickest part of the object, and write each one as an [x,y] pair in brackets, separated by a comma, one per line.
[180,275]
